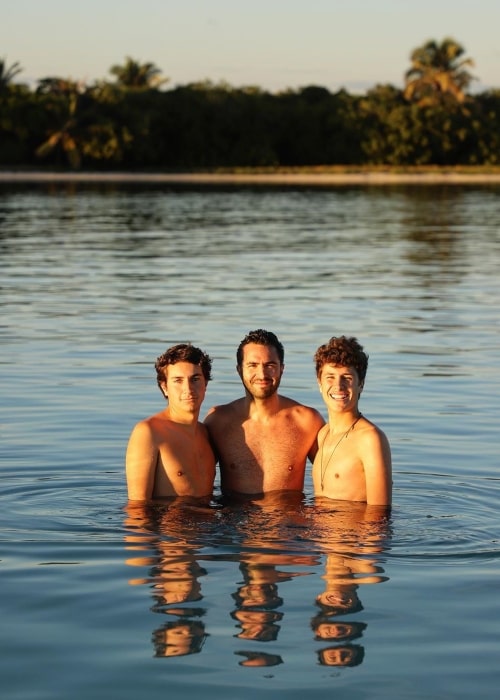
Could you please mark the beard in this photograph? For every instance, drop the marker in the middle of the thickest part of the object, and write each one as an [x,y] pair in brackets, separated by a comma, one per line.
[261,391]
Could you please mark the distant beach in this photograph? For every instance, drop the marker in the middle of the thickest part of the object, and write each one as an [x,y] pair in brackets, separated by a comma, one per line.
[267,177]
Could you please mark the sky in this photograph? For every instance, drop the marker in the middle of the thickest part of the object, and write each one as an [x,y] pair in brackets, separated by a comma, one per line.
[272,44]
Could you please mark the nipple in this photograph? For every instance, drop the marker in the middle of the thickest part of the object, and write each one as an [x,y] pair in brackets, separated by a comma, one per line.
[179,473]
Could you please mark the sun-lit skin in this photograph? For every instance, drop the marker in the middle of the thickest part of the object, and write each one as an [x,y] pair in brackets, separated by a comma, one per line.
[263,439]
[353,461]
[261,371]
[169,453]
[341,389]
[185,387]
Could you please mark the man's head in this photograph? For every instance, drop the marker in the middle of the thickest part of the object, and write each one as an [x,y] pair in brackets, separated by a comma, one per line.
[184,352]
[260,365]
[343,352]
[260,337]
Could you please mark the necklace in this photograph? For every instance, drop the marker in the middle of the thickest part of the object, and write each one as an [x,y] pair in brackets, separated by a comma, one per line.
[323,471]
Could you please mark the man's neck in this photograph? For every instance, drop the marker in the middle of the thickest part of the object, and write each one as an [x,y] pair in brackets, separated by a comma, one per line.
[340,422]
[260,409]
[181,417]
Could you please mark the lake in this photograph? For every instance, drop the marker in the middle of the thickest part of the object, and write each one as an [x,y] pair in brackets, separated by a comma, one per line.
[280,597]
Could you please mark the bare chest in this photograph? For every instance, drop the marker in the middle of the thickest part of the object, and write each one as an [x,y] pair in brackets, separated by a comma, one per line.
[338,472]
[185,466]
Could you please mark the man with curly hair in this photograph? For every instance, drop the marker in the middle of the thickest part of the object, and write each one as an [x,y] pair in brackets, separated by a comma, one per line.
[263,439]
[353,461]
[169,453]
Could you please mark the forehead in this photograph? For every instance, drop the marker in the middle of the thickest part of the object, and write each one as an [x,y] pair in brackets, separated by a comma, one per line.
[331,368]
[254,352]
[182,369]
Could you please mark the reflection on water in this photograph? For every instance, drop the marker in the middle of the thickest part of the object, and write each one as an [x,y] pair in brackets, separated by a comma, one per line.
[263,554]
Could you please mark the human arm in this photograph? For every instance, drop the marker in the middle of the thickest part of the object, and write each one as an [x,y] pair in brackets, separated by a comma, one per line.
[377,465]
[316,422]
[140,463]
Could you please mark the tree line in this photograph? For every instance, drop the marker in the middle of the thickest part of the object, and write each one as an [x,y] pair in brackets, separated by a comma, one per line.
[133,123]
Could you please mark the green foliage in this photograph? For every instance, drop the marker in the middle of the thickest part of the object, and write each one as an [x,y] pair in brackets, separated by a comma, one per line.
[131,124]
[133,74]
[438,74]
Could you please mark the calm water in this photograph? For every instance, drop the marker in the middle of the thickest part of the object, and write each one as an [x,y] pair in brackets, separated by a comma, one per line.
[100,601]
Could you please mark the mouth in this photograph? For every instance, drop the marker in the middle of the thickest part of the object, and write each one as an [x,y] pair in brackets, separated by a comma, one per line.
[338,397]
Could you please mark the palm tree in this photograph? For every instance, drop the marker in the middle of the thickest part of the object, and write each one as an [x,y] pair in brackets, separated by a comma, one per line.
[138,75]
[438,73]
[7,75]
[63,100]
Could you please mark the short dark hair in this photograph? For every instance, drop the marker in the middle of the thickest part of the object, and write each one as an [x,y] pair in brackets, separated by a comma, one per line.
[343,351]
[183,352]
[260,337]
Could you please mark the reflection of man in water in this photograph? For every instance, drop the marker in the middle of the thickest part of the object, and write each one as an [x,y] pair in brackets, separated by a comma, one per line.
[257,624]
[348,655]
[354,535]
[327,629]
[179,638]
[174,572]
[259,658]
[341,600]
[256,601]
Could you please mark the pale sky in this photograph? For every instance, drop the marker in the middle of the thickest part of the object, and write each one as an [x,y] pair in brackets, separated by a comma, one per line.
[272,44]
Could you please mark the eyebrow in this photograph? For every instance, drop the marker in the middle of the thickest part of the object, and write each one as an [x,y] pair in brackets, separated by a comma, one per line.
[197,373]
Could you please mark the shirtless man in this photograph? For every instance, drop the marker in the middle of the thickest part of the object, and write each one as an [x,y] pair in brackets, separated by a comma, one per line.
[263,439]
[169,454]
[353,462]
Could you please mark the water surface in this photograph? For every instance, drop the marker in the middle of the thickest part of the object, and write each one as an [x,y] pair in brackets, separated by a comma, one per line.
[105,601]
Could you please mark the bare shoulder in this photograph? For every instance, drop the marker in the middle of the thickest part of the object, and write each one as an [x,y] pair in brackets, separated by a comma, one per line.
[203,429]
[374,448]
[371,434]
[143,428]
[301,412]
[226,411]
[151,427]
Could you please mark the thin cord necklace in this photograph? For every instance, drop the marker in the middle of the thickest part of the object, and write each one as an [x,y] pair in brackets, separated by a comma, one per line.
[323,471]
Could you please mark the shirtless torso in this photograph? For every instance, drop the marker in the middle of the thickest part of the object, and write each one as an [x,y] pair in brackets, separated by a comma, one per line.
[353,463]
[263,446]
[166,458]
[169,454]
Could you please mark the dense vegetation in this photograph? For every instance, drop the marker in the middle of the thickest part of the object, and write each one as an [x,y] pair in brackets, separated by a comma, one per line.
[134,123]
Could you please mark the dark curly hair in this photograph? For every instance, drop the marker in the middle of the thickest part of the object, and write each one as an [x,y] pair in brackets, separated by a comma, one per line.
[343,351]
[260,337]
[184,352]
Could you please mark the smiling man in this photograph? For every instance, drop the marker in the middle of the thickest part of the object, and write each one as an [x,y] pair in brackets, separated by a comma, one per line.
[169,454]
[263,439]
[353,461]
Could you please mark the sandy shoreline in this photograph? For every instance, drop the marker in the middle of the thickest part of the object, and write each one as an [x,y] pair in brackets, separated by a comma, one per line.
[278,178]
